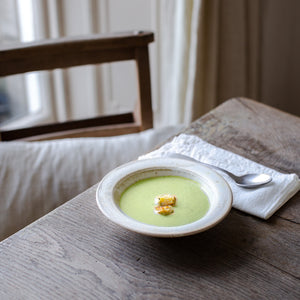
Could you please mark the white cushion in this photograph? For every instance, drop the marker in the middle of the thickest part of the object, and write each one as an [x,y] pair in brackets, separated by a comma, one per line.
[36,177]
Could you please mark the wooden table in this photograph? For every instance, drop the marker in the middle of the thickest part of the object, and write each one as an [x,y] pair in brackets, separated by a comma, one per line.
[75,252]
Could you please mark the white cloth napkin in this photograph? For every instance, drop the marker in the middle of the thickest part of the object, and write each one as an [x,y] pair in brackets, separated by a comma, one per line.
[261,202]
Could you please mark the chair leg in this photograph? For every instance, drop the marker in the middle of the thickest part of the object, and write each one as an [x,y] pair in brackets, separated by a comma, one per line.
[143,113]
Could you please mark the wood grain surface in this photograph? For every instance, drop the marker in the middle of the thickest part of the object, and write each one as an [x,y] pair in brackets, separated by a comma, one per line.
[75,252]
[71,51]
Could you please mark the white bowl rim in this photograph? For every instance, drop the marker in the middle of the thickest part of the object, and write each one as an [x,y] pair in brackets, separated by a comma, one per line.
[221,197]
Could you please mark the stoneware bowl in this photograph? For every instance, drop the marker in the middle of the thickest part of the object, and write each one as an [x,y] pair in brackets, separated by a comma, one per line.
[114,183]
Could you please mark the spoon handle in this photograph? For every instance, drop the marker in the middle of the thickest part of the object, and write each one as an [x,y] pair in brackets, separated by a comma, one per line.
[178,155]
[217,168]
[245,181]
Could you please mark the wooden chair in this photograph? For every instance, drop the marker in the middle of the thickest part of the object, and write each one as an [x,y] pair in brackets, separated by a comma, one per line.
[92,49]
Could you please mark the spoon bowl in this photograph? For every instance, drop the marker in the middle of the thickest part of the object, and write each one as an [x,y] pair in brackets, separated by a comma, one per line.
[245,181]
[251,180]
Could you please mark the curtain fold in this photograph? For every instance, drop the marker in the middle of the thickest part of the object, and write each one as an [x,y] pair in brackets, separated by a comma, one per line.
[221,49]
[201,95]
[239,49]
[174,34]
[216,47]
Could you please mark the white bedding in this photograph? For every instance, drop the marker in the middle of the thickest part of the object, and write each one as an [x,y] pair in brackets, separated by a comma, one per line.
[36,177]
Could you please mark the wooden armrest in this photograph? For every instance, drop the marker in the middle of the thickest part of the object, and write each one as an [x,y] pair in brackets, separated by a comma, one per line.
[72,51]
[75,51]
[70,128]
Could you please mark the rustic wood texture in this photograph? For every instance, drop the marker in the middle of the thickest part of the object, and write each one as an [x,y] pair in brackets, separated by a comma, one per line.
[75,252]
[144,109]
[71,51]
[22,133]
[76,51]
[96,131]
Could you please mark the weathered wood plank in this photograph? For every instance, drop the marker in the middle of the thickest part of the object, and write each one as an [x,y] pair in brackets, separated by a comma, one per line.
[144,108]
[14,134]
[71,51]
[75,251]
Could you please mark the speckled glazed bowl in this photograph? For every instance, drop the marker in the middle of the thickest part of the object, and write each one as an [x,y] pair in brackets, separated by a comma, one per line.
[114,183]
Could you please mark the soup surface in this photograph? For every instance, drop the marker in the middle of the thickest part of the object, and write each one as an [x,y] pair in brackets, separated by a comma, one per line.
[138,200]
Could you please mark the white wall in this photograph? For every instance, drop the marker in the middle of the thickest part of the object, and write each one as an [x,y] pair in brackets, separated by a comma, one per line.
[115,85]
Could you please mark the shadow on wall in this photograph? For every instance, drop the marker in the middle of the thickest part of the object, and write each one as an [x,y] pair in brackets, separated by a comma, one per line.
[280,59]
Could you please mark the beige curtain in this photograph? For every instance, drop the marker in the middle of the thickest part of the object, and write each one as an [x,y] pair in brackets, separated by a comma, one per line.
[218,49]
[210,52]
[226,58]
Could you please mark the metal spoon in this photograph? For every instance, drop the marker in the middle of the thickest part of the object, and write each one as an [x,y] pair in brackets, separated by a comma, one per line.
[246,181]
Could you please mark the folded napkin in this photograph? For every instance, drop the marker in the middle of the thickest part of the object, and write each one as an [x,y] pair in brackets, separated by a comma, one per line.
[261,202]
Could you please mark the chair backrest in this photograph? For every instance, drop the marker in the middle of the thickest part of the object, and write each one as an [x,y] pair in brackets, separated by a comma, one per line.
[76,51]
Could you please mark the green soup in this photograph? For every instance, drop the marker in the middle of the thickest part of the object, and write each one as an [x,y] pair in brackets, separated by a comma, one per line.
[137,201]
